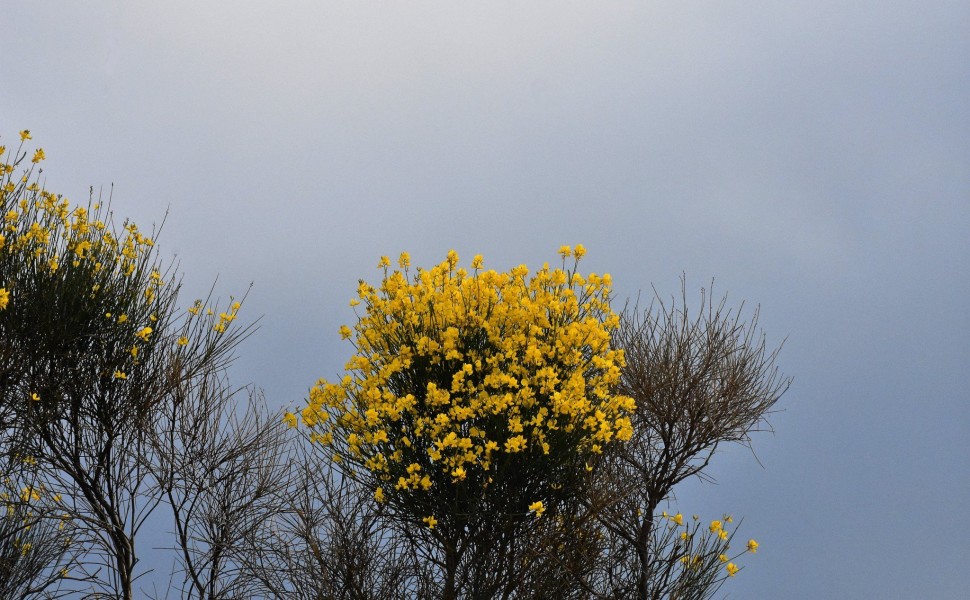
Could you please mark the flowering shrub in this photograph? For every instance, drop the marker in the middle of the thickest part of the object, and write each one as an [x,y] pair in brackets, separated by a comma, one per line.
[474,392]
[92,348]
[82,306]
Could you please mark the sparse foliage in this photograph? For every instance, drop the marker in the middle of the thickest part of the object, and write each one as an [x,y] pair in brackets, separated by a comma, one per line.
[699,381]
[223,471]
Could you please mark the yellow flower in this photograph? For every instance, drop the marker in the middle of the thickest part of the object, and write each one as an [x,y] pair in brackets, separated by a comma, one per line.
[723,558]
[752,546]
[38,156]
[478,262]
[579,251]
[404,261]
[565,251]
[379,495]
[4,298]
[715,526]
[678,518]
[120,375]
[431,521]
[384,262]
[290,419]
[134,351]
[538,508]
[515,444]
[35,397]
[144,333]
[345,332]
[25,135]
[183,341]
[122,318]
[732,569]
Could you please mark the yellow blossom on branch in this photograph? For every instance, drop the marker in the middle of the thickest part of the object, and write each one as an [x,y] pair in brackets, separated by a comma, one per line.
[29,494]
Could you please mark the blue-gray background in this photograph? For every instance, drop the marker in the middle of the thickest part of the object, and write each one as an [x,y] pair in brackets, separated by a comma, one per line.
[812,157]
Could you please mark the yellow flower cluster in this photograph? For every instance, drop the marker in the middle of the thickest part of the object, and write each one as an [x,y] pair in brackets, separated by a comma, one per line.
[696,552]
[44,228]
[30,493]
[225,318]
[43,237]
[455,370]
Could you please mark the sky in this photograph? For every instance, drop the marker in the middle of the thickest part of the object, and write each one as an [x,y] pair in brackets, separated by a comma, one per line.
[811,158]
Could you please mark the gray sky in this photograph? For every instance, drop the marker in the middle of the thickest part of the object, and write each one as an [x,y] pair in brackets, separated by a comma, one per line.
[811,157]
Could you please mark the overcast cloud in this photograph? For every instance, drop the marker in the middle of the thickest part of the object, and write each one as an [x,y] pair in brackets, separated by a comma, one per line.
[811,157]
